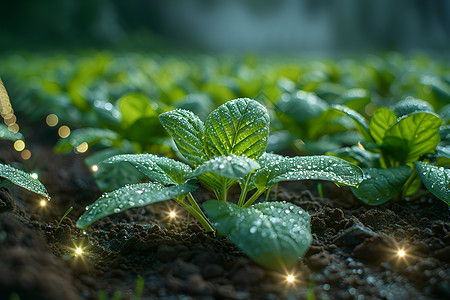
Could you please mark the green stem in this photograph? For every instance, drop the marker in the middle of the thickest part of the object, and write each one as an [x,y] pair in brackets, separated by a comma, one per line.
[67,212]
[407,185]
[224,193]
[200,216]
[267,194]
[254,197]
[276,192]
[244,191]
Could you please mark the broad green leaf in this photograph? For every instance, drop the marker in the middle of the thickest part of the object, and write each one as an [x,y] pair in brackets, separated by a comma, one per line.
[309,167]
[231,166]
[188,132]
[200,104]
[274,234]
[134,195]
[22,179]
[444,113]
[381,185]
[270,158]
[443,156]
[411,105]
[444,133]
[239,127]
[382,119]
[111,177]
[134,107]
[358,120]
[159,169]
[412,136]
[86,135]
[436,180]
[301,106]
[6,134]
[357,155]
[222,172]
[355,99]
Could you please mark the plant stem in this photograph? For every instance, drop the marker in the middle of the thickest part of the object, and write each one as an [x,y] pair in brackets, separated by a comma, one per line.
[244,191]
[254,197]
[267,194]
[67,212]
[200,216]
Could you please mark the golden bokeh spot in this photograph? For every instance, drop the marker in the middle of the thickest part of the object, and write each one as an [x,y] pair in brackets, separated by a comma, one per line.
[83,147]
[52,120]
[19,145]
[64,131]
[26,154]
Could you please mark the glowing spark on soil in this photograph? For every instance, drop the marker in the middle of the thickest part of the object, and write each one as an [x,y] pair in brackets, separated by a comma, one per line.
[79,251]
[35,175]
[290,278]
[94,168]
[401,253]
[43,203]
[172,214]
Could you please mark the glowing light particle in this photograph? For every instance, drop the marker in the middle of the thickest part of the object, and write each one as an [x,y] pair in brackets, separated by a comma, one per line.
[83,147]
[35,175]
[172,214]
[94,168]
[52,120]
[19,145]
[79,251]
[64,131]
[290,278]
[26,154]
[43,203]
[401,253]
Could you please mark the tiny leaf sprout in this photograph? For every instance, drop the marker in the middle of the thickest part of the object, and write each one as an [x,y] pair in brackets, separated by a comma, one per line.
[66,213]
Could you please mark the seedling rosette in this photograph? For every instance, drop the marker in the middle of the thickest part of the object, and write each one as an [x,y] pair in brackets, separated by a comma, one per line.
[229,149]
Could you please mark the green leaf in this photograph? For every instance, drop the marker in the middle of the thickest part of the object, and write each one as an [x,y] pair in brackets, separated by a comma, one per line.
[22,179]
[412,136]
[239,127]
[301,106]
[358,120]
[309,167]
[411,105]
[273,234]
[357,155]
[159,169]
[111,177]
[436,180]
[129,196]
[231,166]
[6,134]
[188,132]
[382,119]
[270,158]
[134,107]
[90,136]
[355,99]
[381,185]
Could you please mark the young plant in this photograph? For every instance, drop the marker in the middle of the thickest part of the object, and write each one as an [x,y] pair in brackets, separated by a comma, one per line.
[396,143]
[22,179]
[228,149]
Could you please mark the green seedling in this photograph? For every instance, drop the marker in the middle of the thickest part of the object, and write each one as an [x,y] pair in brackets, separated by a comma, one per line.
[227,150]
[66,213]
[22,179]
[397,143]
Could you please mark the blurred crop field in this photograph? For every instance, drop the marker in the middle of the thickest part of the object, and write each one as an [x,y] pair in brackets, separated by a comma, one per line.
[106,70]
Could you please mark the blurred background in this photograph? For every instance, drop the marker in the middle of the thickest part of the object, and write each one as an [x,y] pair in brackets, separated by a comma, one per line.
[323,26]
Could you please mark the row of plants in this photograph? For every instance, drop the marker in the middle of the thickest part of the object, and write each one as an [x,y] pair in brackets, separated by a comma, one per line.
[381,147]
[229,149]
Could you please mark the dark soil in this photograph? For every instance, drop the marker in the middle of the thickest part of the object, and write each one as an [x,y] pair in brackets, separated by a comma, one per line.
[353,254]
